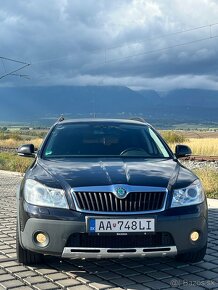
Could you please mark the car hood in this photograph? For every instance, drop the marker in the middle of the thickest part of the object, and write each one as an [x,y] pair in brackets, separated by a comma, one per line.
[101,171]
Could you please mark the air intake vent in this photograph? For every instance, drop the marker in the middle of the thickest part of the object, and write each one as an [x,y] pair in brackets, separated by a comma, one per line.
[160,239]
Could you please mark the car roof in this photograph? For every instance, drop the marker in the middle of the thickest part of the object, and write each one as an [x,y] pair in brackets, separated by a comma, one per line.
[103,120]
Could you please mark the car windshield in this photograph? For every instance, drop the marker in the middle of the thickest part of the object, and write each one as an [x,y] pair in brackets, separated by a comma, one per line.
[103,139]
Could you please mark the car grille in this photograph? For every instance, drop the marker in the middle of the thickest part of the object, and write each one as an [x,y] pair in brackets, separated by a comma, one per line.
[120,241]
[108,202]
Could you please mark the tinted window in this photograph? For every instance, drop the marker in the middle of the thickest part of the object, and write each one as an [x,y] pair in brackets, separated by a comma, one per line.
[95,139]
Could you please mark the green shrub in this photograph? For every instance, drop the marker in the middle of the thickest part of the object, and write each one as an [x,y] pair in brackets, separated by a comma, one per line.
[3,136]
[15,136]
[172,137]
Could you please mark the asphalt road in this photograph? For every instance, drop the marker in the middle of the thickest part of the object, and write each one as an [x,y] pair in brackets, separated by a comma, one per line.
[141,273]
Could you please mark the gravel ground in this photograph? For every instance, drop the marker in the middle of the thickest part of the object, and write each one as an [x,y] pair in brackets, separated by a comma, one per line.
[203,164]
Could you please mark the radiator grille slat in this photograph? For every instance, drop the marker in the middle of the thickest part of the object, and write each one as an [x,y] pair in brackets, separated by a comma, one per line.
[130,203]
[92,201]
[101,201]
[149,199]
[158,200]
[144,200]
[82,200]
[97,202]
[111,202]
[108,202]
[88,203]
[116,204]
[153,201]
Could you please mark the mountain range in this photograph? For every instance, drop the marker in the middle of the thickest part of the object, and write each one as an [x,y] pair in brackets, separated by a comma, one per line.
[41,105]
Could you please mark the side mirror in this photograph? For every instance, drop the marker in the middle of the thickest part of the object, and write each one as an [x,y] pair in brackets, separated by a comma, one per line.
[27,150]
[182,151]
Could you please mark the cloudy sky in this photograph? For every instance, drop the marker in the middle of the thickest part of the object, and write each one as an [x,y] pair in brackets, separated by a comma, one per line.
[142,44]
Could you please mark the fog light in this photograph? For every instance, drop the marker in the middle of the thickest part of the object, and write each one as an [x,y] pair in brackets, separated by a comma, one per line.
[194,236]
[41,239]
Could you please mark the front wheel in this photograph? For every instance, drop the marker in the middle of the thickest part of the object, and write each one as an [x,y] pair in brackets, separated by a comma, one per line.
[27,257]
[192,257]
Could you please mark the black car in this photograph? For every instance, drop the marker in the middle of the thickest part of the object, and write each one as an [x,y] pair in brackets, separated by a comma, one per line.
[102,188]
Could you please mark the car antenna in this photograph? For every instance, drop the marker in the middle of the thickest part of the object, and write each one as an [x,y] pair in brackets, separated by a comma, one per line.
[61,118]
[139,119]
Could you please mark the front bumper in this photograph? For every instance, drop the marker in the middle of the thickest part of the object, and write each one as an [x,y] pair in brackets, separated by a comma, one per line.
[177,222]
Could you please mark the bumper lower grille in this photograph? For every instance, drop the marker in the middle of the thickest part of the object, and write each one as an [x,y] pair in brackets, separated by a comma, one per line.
[108,202]
[128,241]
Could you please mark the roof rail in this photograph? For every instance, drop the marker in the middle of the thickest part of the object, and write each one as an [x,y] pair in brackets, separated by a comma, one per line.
[139,119]
[60,119]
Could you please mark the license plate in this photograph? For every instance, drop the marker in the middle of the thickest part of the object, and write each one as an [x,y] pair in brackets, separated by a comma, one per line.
[120,225]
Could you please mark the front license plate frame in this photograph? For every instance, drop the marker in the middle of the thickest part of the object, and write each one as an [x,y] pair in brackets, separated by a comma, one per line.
[102,225]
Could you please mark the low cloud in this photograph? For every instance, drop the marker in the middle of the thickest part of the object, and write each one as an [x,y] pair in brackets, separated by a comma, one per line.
[111,42]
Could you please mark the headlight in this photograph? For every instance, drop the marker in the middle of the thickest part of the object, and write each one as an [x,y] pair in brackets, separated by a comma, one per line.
[193,194]
[39,194]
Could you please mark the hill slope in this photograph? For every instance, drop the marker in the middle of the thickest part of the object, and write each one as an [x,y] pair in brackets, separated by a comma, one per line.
[29,104]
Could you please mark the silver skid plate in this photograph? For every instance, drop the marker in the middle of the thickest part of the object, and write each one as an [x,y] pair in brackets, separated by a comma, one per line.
[96,253]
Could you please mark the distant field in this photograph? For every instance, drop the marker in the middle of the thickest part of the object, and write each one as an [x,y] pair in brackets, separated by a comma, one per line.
[198,134]
[202,146]
[16,143]
[201,142]
[195,133]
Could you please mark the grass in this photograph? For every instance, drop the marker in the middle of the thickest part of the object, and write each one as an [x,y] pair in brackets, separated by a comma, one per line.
[16,143]
[199,146]
[13,162]
[209,179]
[205,146]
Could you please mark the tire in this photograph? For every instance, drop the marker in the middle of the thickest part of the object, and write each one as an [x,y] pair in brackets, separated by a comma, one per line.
[27,257]
[192,257]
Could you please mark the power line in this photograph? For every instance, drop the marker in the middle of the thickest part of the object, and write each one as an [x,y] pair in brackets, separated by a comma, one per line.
[106,61]
[167,35]
[13,60]
[20,75]
[3,65]
[51,59]
[13,72]
[161,49]
[142,41]
[155,51]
